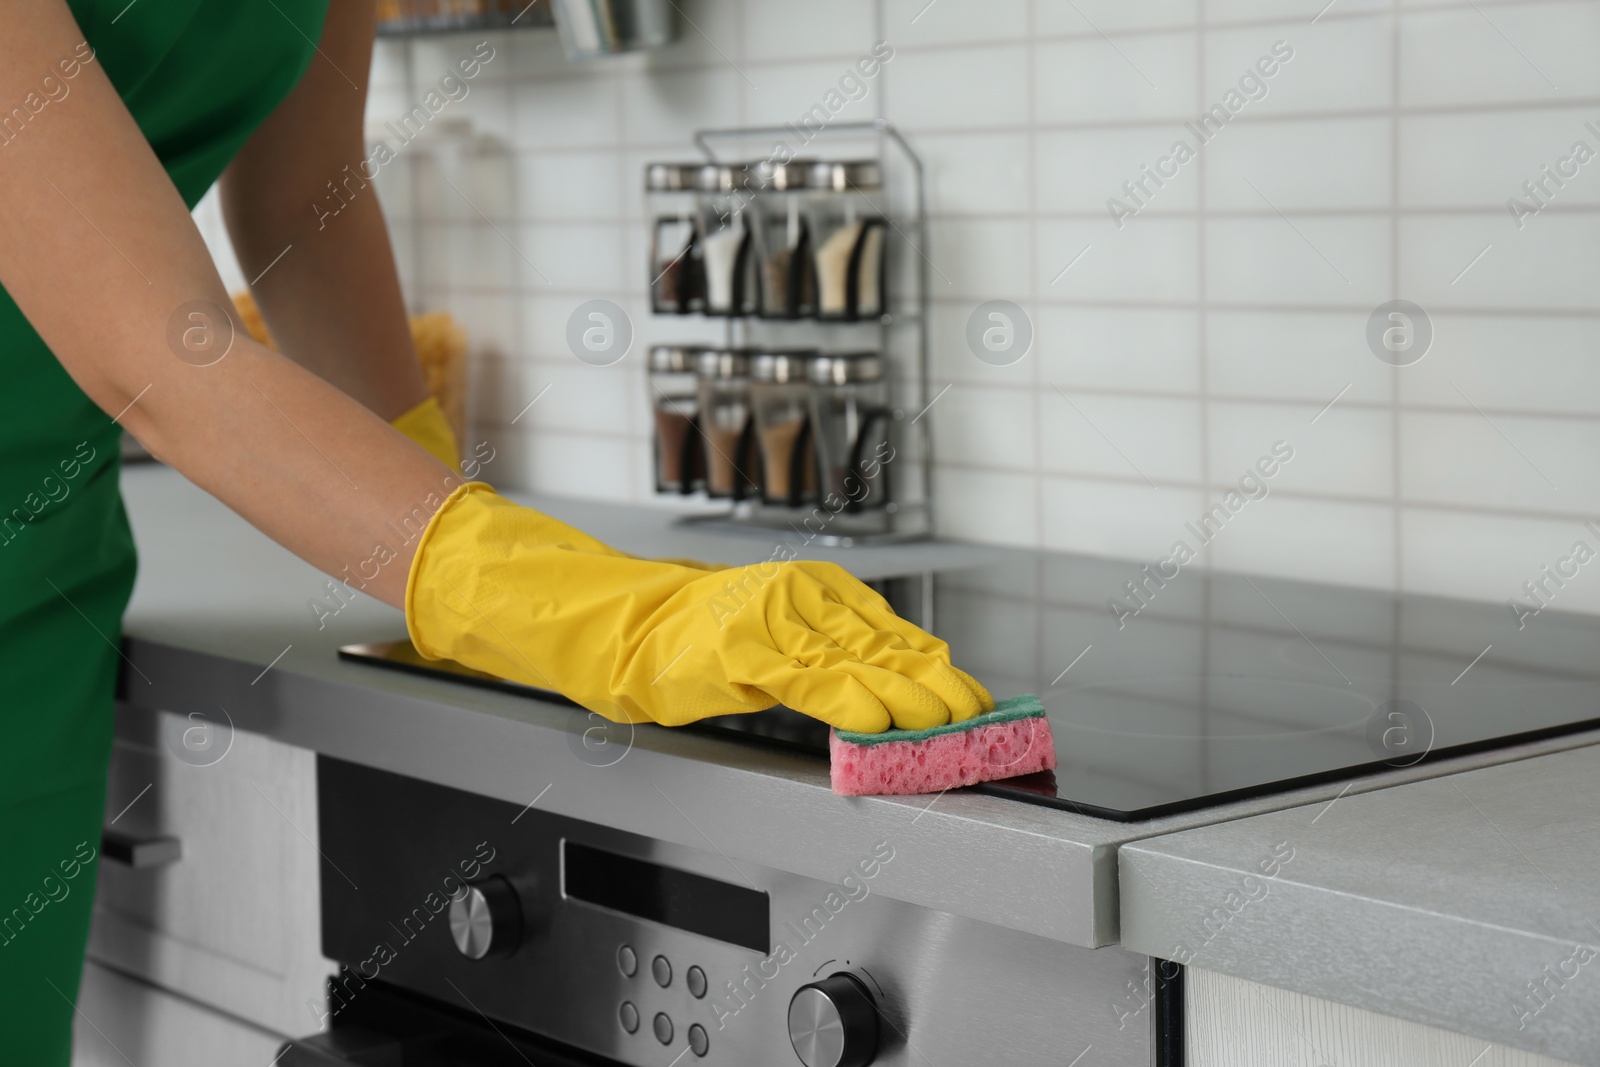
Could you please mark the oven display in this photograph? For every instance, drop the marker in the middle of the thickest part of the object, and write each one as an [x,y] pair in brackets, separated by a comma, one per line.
[677,898]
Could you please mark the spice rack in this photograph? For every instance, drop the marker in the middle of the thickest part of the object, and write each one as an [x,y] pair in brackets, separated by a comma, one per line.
[809,415]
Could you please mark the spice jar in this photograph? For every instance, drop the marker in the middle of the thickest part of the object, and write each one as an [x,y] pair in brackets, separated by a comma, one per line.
[851,421]
[725,240]
[726,429]
[786,286]
[779,395]
[674,252]
[848,234]
[675,401]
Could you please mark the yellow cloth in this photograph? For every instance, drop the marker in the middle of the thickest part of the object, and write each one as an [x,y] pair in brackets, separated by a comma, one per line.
[426,425]
[520,595]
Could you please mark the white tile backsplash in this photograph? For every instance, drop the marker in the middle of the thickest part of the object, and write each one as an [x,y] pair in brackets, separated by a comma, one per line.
[1102,80]
[1226,314]
[974,87]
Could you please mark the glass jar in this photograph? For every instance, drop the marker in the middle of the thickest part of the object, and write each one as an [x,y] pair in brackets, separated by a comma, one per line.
[786,286]
[725,257]
[848,234]
[780,397]
[675,402]
[674,252]
[851,425]
[726,429]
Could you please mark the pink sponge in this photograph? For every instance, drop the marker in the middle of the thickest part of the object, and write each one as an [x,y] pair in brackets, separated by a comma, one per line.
[1012,739]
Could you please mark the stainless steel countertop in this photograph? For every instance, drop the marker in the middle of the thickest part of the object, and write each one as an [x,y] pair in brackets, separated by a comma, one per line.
[217,602]
[1438,901]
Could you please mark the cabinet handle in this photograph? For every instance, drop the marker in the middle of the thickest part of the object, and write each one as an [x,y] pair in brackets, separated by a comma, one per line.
[139,852]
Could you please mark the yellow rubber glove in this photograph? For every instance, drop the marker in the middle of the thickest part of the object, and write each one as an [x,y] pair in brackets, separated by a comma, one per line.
[426,425]
[519,595]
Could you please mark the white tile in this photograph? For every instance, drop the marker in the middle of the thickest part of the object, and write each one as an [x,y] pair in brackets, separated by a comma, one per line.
[581,398]
[1149,259]
[1554,369]
[775,29]
[984,427]
[490,321]
[1498,54]
[1344,543]
[1124,437]
[538,54]
[1307,163]
[487,106]
[1483,160]
[1299,355]
[584,466]
[1492,556]
[819,93]
[1553,262]
[983,259]
[667,107]
[1082,170]
[908,23]
[1300,260]
[1335,65]
[544,325]
[953,360]
[388,64]
[569,185]
[1119,520]
[1222,11]
[1144,350]
[1122,76]
[976,87]
[991,507]
[1348,451]
[434,56]
[564,112]
[975,173]
[1500,462]
[581,258]
[1091,16]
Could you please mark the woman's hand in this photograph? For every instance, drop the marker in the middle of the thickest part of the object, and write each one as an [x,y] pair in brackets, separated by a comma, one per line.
[509,591]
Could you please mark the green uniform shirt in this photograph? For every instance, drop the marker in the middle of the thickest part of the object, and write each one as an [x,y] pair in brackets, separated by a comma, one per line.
[198,76]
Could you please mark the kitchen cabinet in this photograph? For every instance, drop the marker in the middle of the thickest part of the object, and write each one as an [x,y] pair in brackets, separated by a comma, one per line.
[234,921]
[122,1020]
[1234,1022]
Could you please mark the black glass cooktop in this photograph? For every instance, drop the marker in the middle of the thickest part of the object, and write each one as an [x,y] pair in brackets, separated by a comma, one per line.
[1218,687]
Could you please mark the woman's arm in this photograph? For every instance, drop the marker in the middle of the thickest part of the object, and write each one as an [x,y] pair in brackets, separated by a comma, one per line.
[333,301]
[99,251]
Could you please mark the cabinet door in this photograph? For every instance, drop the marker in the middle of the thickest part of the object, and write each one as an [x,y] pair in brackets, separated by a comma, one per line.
[1232,1022]
[234,920]
[122,1020]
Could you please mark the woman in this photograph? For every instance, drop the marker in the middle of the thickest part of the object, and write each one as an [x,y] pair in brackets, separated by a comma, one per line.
[115,117]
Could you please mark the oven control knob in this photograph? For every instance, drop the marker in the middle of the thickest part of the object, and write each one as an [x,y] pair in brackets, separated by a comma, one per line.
[486,920]
[834,1023]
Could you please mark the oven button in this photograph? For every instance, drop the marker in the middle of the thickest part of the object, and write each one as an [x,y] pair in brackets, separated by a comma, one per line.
[696,979]
[486,920]
[628,1015]
[662,970]
[834,1023]
[663,1028]
[698,1041]
[627,962]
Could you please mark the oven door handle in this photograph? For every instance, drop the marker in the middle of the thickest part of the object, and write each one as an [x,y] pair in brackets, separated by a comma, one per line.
[130,850]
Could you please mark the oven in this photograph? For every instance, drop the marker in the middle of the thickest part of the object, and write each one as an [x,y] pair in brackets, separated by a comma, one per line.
[469,930]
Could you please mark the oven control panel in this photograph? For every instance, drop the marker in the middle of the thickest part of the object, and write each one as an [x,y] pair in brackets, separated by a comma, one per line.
[649,953]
